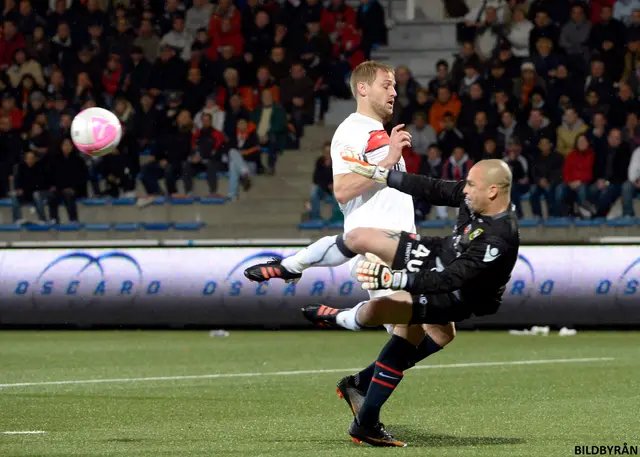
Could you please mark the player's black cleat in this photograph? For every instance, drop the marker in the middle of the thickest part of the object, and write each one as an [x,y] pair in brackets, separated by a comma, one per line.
[376,435]
[271,270]
[347,390]
[321,315]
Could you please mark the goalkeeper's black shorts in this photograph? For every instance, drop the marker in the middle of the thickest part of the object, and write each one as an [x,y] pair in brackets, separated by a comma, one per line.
[413,255]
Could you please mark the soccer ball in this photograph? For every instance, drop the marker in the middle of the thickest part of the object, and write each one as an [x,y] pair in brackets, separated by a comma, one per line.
[96,131]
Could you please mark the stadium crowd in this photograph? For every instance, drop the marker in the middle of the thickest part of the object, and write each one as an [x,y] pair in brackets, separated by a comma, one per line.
[549,86]
[198,86]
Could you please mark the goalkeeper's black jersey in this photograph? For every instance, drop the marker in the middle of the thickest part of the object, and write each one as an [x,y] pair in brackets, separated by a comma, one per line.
[478,257]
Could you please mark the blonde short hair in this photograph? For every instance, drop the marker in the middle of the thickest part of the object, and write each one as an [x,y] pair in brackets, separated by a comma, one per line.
[366,72]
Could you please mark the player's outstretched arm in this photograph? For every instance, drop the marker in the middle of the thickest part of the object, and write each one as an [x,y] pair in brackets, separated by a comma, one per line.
[434,191]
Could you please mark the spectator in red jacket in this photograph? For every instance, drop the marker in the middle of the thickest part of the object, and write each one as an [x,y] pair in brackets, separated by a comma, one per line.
[577,173]
[206,155]
[11,41]
[458,166]
[111,78]
[337,10]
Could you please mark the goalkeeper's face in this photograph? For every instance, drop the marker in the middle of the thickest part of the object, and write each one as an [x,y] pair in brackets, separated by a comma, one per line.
[382,94]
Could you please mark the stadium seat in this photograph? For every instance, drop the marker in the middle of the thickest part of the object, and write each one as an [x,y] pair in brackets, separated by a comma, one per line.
[97,227]
[557,222]
[160,201]
[311,225]
[6,202]
[9,228]
[188,225]
[337,225]
[588,222]
[528,223]
[156,226]
[212,201]
[126,226]
[39,227]
[123,201]
[621,222]
[94,201]
[182,201]
[70,227]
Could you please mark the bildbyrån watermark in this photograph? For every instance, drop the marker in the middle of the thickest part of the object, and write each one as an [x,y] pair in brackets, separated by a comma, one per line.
[625,449]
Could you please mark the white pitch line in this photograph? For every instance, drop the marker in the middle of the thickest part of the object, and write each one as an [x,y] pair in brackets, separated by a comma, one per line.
[28,432]
[301,372]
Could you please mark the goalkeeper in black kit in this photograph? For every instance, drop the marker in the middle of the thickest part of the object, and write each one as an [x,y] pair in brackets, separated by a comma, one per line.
[444,279]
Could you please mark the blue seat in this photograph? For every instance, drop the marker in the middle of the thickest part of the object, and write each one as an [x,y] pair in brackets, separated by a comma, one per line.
[188,225]
[621,222]
[213,200]
[312,225]
[588,222]
[5,202]
[160,201]
[223,174]
[156,226]
[70,227]
[10,228]
[126,226]
[337,225]
[94,201]
[202,175]
[527,223]
[39,227]
[433,223]
[97,227]
[557,222]
[123,201]
[182,201]
[525,197]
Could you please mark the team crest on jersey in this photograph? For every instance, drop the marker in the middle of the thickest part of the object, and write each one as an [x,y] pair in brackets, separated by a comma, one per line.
[467,229]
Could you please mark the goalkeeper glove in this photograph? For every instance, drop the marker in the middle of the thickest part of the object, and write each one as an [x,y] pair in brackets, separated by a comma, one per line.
[360,166]
[374,276]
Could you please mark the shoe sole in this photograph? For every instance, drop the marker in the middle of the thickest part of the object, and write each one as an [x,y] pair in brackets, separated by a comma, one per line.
[371,442]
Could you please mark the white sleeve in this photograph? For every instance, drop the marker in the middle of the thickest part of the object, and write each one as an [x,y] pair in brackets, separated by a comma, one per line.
[339,145]
[634,166]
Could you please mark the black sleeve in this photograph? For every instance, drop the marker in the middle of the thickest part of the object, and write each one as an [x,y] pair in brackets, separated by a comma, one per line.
[481,255]
[437,192]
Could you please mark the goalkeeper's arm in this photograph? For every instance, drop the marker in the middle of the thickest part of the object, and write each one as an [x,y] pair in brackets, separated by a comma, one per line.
[434,191]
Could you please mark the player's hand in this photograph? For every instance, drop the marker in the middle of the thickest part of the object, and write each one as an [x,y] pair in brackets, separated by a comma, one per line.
[375,276]
[398,140]
[359,165]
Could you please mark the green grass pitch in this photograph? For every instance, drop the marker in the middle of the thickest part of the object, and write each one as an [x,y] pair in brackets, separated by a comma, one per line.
[473,402]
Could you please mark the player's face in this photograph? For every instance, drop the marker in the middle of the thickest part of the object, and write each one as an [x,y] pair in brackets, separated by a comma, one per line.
[382,94]
[476,191]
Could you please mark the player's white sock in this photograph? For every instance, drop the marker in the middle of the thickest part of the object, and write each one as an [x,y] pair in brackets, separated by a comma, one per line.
[329,251]
[349,318]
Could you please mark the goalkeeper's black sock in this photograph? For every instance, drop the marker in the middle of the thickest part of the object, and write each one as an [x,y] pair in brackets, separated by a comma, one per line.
[362,379]
[395,357]
[426,347]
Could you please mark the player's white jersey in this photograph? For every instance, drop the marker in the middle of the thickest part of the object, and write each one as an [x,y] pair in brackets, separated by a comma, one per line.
[381,207]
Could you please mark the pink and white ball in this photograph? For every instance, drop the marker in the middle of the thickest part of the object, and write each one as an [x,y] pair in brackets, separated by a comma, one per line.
[96,131]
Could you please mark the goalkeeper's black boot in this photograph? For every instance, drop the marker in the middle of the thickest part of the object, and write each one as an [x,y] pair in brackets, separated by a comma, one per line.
[321,315]
[347,390]
[271,270]
[375,435]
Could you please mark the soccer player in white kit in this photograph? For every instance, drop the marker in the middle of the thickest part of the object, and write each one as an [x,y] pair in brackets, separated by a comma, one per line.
[364,203]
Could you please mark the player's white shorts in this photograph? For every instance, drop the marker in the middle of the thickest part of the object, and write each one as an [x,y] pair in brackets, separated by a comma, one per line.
[353,263]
